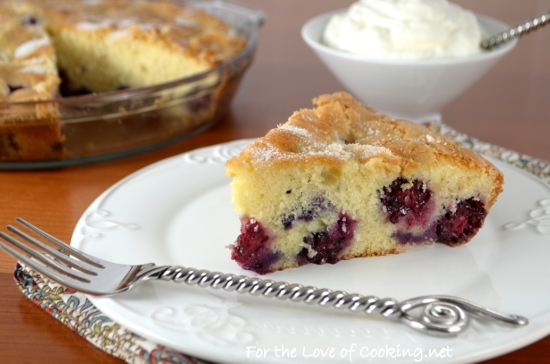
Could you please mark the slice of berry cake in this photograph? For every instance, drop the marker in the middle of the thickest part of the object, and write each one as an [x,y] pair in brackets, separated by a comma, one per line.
[341,181]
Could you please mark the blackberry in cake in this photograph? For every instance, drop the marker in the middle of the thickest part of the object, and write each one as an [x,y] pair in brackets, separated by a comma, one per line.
[342,181]
[50,49]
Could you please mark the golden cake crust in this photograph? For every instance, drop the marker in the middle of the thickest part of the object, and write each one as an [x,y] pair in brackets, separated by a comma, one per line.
[341,128]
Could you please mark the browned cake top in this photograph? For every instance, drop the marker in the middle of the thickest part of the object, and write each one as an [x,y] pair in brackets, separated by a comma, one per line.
[341,128]
[190,30]
[27,61]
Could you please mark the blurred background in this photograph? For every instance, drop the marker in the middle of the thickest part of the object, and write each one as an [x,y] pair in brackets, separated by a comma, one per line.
[521,79]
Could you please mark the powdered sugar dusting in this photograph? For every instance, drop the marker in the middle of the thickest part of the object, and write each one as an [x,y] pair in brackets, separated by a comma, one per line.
[366,151]
[293,143]
[266,153]
[92,26]
[185,22]
[373,131]
[30,47]
[296,130]
[337,149]
[38,69]
[118,34]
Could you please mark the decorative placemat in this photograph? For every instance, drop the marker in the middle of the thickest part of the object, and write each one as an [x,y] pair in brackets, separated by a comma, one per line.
[537,167]
[75,311]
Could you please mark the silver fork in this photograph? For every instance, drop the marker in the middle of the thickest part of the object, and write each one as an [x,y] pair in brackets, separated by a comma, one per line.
[438,316]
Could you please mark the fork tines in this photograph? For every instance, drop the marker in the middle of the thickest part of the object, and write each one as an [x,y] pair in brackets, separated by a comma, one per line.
[46,260]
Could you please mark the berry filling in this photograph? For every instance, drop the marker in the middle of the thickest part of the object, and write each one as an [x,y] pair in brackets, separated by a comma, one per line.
[201,103]
[455,228]
[252,250]
[327,246]
[429,235]
[408,204]
[200,99]
[13,88]
[318,205]
[29,20]
[67,88]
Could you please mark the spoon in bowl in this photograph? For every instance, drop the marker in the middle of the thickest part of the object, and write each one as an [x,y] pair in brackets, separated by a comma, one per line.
[516,31]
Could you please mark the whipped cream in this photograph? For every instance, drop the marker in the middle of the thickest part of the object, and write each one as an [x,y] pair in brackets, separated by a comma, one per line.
[405,29]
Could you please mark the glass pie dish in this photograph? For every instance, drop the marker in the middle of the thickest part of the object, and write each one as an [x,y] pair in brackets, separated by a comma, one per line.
[104,126]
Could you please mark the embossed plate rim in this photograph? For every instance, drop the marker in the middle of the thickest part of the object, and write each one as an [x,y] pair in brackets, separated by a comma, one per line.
[213,157]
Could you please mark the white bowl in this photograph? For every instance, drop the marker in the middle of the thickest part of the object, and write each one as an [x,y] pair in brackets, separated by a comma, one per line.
[411,89]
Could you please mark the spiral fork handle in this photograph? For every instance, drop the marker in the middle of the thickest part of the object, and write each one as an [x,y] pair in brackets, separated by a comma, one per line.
[439,316]
[516,31]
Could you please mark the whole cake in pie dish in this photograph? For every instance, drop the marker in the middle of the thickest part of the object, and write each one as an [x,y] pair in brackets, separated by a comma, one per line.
[125,64]
[342,181]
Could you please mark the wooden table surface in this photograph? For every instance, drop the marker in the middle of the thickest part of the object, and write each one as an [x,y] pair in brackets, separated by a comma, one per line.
[509,107]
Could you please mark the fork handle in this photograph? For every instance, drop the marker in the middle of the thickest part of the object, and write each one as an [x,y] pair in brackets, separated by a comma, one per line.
[439,315]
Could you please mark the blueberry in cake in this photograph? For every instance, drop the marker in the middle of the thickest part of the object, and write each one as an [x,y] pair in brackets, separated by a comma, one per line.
[342,181]
[51,49]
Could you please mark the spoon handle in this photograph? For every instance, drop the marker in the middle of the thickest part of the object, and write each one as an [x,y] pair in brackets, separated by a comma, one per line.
[516,31]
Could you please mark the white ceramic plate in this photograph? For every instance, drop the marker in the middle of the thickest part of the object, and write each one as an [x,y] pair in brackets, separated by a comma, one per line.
[178,211]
